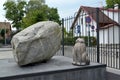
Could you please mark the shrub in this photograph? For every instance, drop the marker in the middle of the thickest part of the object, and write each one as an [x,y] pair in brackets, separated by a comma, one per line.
[71,41]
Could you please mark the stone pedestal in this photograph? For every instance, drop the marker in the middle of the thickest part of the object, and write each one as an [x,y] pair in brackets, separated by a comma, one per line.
[58,68]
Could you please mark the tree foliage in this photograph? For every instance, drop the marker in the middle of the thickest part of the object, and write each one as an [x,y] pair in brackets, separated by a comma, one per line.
[15,12]
[36,11]
[111,3]
[3,32]
[23,14]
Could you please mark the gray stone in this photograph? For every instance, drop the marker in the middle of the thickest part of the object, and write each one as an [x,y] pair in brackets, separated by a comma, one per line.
[37,43]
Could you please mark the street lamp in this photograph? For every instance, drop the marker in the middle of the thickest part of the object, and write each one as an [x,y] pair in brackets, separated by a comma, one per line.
[5,32]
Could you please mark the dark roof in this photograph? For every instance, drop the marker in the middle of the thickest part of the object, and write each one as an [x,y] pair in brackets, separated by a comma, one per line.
[91,11]
[108,26]
[111,10]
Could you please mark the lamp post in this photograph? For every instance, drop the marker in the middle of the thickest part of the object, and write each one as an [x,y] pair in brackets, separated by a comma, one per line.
[5,32]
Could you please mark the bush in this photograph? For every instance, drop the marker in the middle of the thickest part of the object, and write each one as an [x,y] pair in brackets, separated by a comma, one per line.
[2,41]
[92,40]
[71,41]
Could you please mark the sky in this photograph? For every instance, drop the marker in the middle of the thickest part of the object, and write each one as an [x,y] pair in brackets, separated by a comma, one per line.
[65,8]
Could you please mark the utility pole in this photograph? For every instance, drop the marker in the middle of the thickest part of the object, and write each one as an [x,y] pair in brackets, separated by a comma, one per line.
[5,32]
[63,36]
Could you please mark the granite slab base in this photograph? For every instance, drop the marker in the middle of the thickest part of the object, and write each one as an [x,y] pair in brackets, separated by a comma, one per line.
[58,68]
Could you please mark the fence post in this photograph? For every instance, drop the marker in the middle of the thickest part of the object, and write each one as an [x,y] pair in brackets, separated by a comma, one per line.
[97,21]
[119,36]
[63,36]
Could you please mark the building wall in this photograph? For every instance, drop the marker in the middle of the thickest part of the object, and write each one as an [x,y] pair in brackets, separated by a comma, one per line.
[106,36]
[6,26]
[109,35]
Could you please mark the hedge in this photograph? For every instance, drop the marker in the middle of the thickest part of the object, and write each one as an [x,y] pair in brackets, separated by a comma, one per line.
[71,41]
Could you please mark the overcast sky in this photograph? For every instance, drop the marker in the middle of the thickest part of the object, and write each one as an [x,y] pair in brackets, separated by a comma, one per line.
[65,8]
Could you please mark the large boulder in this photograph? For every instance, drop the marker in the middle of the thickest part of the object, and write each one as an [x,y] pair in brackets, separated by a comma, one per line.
[36,43]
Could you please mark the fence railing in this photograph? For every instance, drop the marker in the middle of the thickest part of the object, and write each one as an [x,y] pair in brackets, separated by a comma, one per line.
[104,26]
[109,55]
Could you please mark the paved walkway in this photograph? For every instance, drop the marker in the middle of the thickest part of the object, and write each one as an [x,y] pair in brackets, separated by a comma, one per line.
[5,49]
[6,53]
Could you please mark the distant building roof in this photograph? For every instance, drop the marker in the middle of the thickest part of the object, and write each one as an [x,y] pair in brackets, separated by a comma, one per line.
[91,11]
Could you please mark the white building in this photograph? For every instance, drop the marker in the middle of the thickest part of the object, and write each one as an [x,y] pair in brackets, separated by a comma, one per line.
[108,22]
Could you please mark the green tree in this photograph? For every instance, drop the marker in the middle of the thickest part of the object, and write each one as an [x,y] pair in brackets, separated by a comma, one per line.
[15,12]
[70,34]
[23,14]
[37,10]
[111,3]
[2,32]
[53,15]
[34,4]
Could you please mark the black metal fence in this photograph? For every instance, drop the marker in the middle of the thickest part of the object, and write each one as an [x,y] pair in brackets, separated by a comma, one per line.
[100,28]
